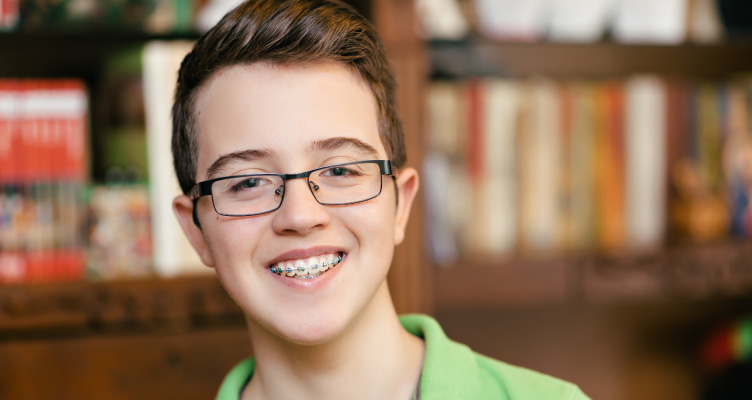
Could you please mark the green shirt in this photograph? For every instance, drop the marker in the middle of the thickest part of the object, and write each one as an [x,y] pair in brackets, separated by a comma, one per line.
[451,371]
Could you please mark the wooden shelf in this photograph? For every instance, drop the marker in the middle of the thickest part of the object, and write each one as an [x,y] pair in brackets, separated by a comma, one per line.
[479,57]
[681,272]
[69,53]
[95,308]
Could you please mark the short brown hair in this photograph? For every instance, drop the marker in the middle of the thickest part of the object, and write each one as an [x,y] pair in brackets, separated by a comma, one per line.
[284,32]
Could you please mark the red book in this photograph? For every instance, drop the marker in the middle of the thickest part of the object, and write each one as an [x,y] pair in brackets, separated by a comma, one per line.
[474,118]
[8,115]
[74,120]
[27,130]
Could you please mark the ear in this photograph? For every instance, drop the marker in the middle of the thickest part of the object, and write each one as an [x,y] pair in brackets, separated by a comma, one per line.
[407,188]
[183,208]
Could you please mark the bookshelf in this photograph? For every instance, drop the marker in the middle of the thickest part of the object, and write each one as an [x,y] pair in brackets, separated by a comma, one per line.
[682,272]
[623,324]
[86,309]
[478,57]
[561,277]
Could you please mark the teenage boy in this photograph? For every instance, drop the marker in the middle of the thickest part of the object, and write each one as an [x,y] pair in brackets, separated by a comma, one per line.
[290,153]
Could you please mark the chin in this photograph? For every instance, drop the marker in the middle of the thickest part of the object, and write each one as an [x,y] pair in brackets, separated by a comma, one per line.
[312,328]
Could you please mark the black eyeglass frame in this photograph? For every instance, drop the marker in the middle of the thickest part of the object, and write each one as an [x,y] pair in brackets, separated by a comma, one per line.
[204,188]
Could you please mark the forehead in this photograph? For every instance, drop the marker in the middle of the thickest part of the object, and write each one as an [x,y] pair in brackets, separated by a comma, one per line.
[283,110]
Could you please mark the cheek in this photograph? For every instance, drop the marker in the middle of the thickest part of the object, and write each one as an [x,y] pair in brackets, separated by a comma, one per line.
[373,225]
[231,240]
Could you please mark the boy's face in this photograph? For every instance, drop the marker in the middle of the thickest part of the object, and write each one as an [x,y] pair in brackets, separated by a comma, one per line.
[294,119]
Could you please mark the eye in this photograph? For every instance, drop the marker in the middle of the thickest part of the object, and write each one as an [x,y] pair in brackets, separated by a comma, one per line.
[249,183]
[339,171]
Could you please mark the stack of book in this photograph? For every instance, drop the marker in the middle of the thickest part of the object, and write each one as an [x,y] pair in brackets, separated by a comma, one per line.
[43,125]
[534,166]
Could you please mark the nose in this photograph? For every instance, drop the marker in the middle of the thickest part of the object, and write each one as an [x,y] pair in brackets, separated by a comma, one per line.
[299,212]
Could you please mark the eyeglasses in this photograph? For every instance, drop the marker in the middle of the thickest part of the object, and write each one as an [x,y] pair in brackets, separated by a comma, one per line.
[333,185]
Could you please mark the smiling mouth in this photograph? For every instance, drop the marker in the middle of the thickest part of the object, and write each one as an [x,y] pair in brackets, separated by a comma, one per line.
[307,268]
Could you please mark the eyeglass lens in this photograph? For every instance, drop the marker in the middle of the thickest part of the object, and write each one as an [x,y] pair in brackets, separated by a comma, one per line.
[335,185]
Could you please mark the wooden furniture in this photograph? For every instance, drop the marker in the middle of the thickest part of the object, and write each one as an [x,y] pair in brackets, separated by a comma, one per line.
[622,326]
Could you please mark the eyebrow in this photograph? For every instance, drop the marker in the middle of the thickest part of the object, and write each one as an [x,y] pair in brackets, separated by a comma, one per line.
[340,142]
[244,155]
[329,144]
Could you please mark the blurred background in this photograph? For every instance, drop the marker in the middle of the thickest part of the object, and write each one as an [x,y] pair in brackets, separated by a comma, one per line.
[586,177]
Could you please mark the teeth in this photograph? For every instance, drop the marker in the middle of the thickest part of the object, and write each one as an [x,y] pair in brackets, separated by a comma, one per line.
[313,265]
[308,276]
[289,269]
[324,261]
[308,268]
[301,268]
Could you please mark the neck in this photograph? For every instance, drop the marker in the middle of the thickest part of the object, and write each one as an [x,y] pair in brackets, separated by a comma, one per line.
[373,358]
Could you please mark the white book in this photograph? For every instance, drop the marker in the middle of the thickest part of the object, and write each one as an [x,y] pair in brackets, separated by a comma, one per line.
[651,21]
[213,11]
[172,252]
[580,20]
[645,140]
[441,19]
[512,19]
[540,146]
[496,203]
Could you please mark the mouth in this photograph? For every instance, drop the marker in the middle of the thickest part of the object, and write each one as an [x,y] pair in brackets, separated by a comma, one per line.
[307,268]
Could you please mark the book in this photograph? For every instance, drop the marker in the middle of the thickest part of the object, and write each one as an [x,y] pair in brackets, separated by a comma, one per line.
[496,205]
[212,11]
[43,127]
[580,20]
[172,252]
[581,148]
[441,19]
[645,164]
[586,165]
[444,173]
[444,118]
[539,151]
[650,21]
[609,165]
[511,19]
[438,178]
[119,227]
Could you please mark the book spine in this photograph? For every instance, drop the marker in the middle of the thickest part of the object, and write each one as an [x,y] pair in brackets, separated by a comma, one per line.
[581,158]
[610,166]
[540,149]
[497,209]
[645,129]
[173,254]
